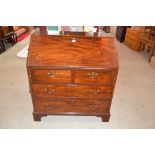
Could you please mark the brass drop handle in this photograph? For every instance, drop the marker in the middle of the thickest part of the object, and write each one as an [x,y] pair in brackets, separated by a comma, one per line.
[51,74]
[95,91]
[92,74]
[49,92]
[51,107]
[93,106]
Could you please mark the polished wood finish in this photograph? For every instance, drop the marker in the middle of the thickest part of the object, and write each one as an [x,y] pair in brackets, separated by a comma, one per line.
[93,77]
[72,106]
[60,51]
[71,74]
[51,76]
[80,91]
[132,38]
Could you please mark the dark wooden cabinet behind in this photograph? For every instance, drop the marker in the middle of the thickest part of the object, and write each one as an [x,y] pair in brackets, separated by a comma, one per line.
[120,33]
[1,47]
[71,75]
[4,30]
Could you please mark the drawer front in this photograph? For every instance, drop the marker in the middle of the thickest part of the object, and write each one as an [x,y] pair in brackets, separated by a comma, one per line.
[104,92]
[72,106]
[44,90]
[51,76]
[104,77]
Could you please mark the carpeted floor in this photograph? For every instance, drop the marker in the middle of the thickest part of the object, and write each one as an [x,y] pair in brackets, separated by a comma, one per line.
[133,103]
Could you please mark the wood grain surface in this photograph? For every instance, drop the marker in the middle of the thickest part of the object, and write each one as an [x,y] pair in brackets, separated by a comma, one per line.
[69,77]
[60,51]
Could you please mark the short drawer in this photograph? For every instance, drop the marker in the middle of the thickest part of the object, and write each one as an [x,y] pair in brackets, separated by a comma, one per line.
[44,90]
[72,106]
[51,76]
[85,76]
[81,91]
[96,92]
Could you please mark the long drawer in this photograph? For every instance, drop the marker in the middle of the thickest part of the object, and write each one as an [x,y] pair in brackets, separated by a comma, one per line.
[81,91]
[72,106]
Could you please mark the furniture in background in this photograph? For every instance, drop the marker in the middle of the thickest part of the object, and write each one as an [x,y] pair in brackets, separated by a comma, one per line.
[113,30]
[120,33]
[151,32]
[132,38]
[50,28]
[22,31]
[138,28]
[105,29]
[80,28]
[67,28]
[4,30]
[90,29]
[97,28]
[75,75]
[7,36]
[43,28]
[1,47]
[147,41]
[12,34]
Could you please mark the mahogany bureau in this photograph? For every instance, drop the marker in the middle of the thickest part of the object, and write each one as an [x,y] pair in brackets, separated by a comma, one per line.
[71,74]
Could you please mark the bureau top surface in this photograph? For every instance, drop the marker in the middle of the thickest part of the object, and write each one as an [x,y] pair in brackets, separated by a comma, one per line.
[74,51]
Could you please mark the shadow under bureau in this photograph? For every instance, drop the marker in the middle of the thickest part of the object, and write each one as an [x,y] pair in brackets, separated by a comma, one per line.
[71,75]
